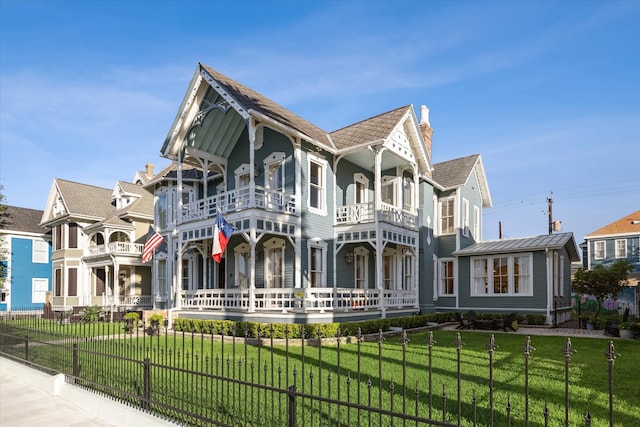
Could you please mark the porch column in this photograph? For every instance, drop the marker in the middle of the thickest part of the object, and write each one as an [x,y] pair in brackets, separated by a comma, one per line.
[379,243]
[178,212]
[178,289]
[252,166]
[252,272]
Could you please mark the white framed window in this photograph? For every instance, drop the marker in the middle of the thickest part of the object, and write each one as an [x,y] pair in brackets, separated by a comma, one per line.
[465,217]
[447,216]
[480,277]
[163,289]
[317,250]
[274,180]
[39,288]
[389,268]
[407,270]
[361,267]
[243,265]
[40,252]
[161,211]
[388,190]
[242,175]
[476,224]
[407,194]
[446,277]
[599,249]
[274,263]
[621,248]
[505,275]
[317,194]
[361,189]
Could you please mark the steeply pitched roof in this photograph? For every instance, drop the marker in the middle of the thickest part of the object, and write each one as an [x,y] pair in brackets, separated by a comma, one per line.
[86,200]
[454,173]
[372,129]
[141,206]
[21,219]
[252,100]
[630,224]
[523,244]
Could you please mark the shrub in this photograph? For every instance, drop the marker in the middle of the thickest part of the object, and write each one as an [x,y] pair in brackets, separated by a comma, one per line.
[91,314]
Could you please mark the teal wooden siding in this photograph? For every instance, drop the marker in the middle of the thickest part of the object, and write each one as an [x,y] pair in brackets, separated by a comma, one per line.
[428,246]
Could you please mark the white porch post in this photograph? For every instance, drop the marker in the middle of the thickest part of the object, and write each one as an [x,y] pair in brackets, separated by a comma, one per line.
[379,242]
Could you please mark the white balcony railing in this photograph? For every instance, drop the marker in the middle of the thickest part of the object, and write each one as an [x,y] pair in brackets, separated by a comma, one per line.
[297,299]
[117,248]
[238,199]
[364,212]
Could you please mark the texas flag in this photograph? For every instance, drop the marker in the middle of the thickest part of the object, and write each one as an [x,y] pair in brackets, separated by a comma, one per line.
[221,235]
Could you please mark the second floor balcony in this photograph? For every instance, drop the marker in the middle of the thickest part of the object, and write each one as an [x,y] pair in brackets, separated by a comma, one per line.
[117,248]
[365,213]
[239,199]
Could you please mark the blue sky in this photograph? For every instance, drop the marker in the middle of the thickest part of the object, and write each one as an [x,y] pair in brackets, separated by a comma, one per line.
[548,92]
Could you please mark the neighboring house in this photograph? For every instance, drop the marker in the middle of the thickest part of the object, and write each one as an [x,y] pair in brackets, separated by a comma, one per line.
[613,242]
[98,237]
[350,224]
[525,275]
[616,241]
[26,260]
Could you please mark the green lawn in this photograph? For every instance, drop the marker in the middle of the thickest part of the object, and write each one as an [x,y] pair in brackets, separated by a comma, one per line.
[371,373]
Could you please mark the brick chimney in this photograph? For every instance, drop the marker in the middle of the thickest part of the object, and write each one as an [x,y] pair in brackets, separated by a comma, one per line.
[427,131]
[149,168]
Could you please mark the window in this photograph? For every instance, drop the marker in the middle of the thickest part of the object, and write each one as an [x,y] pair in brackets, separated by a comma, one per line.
[480,277]
[447,224]
[407,270]
[387,271]
[317,262]
[185,274]
[274,263]
[387,191]
[101,278]
[161,211]
[502,275]
[476,223]
[274,180]
[598,250]
[446,278]
[621,248]
[465,217]
[72,282]
[57,282]
[39,288]
[361,263]
[317,186]
[521,275]
[40,252]
[243,262]
[57,236]
[361,184]
[73,235]
[162,278]
[407,194]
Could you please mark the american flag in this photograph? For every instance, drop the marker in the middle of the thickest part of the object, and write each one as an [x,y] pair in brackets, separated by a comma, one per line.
[154,239]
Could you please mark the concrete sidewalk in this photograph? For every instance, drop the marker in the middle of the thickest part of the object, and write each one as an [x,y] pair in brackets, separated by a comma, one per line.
[32,398]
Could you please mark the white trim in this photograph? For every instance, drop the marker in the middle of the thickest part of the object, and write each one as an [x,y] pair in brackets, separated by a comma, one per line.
[440,270]
[322,186]
[624,248]
[510,275]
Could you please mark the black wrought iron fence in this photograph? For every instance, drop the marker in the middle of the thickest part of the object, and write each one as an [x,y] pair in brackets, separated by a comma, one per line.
[375,380]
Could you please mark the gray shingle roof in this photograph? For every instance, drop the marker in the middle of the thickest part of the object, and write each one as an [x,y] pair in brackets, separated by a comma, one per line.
[252,100]
[22,219]
[520,244]
[143,205]
[454,173]
[372,129]
[86,200]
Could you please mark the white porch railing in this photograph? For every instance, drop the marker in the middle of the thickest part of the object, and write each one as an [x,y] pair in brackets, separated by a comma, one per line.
[117,248]
[229,201]
[299,300]
[128,300]
[365,212]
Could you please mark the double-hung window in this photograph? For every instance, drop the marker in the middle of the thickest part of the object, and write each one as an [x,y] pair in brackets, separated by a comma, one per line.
[317,263]
[407,270]
[447,216]
[243,264]
[317,197]
[40,252]
[274,263]
[465,217]
[621,248]
[599,250]
[447,279]
[39,288]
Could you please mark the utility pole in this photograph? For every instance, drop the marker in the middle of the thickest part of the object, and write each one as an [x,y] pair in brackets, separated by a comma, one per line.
[550,212]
